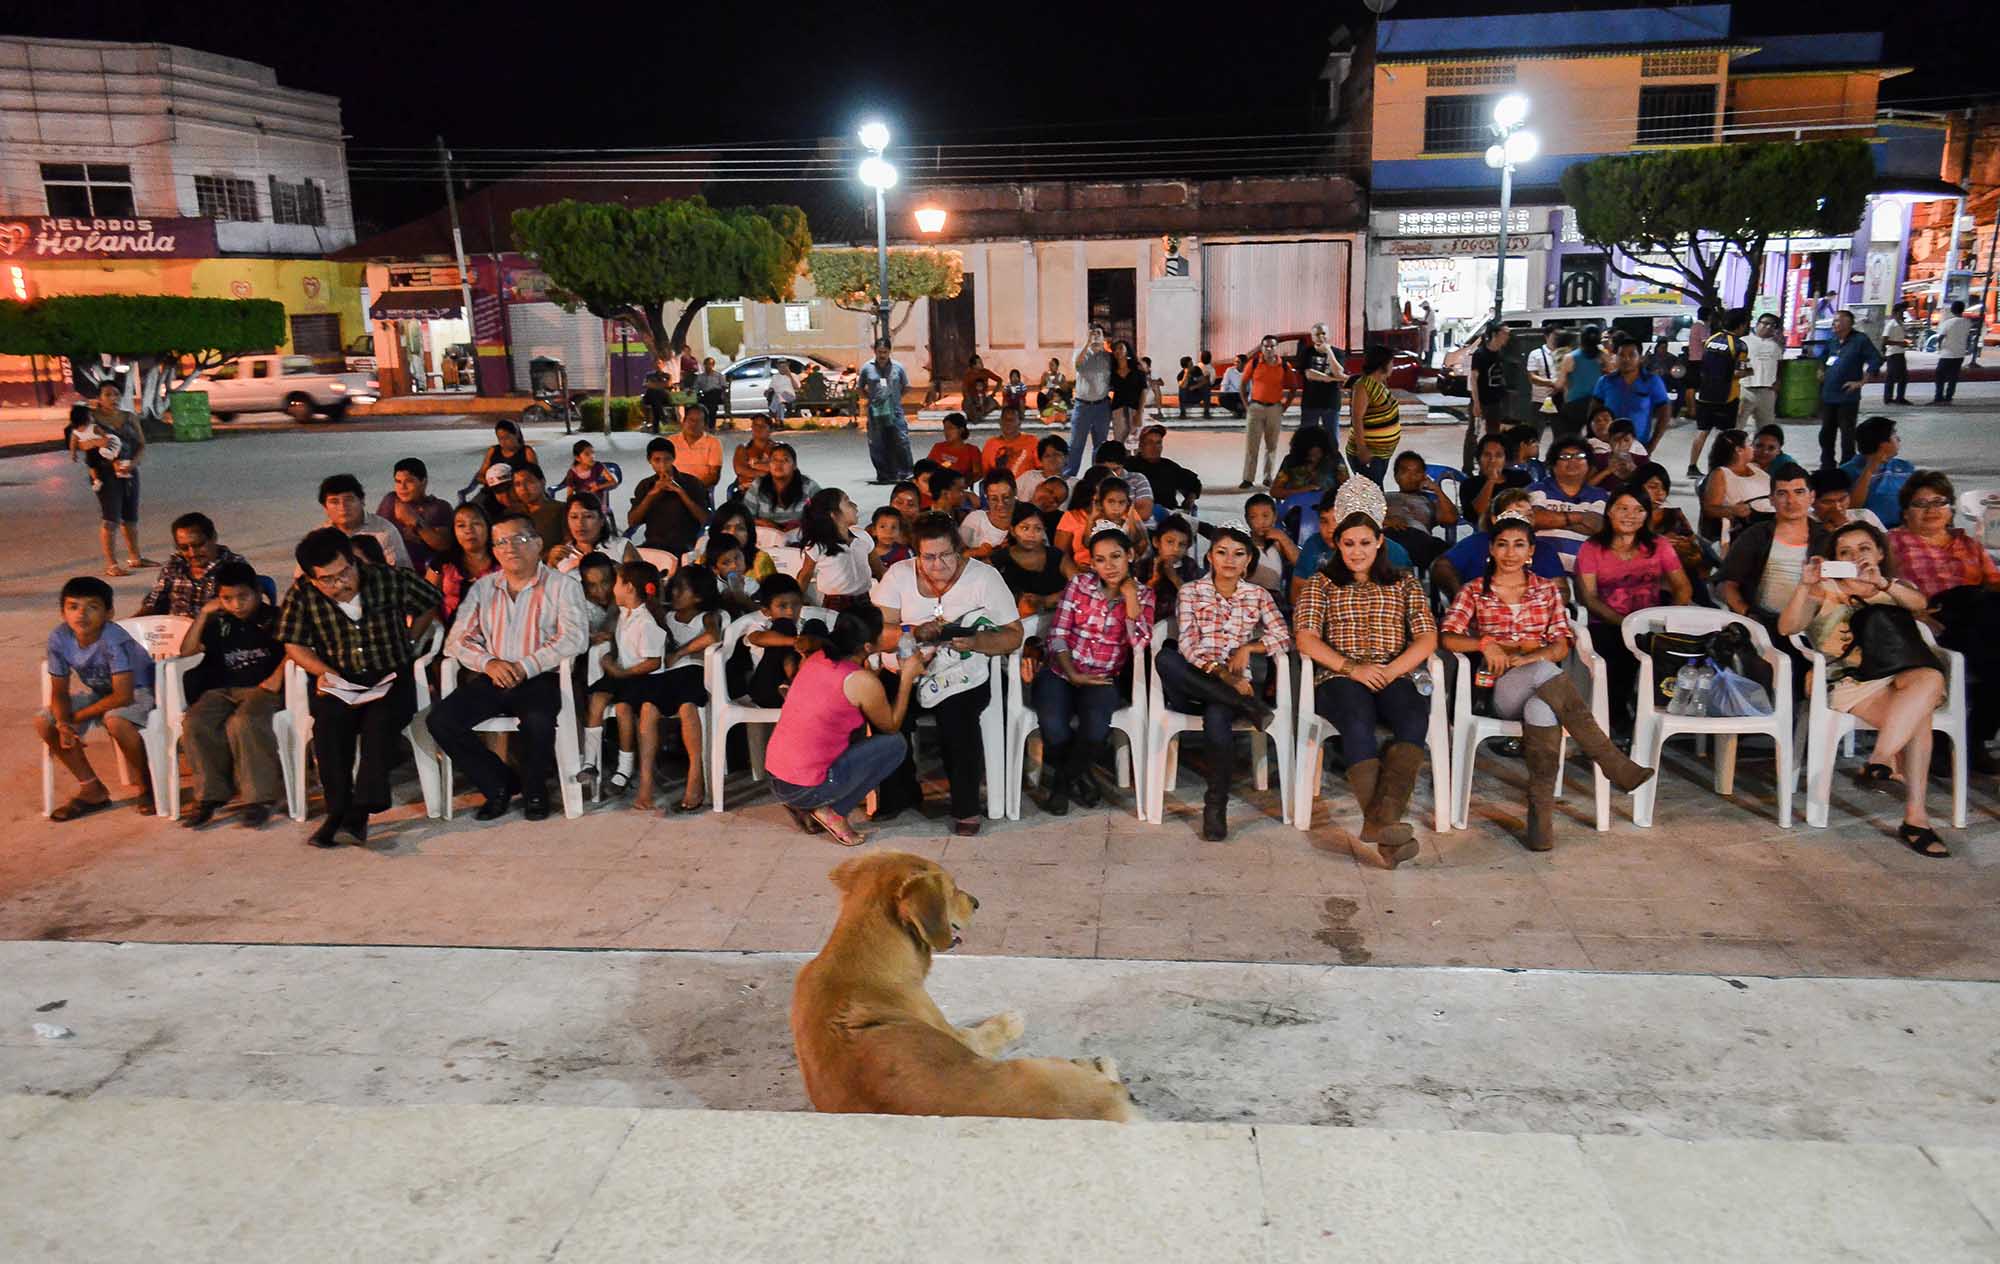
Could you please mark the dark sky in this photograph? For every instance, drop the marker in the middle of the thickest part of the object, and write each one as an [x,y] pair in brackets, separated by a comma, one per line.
[774,71]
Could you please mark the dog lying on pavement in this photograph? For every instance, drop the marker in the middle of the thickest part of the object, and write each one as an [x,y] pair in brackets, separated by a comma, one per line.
[869,1039]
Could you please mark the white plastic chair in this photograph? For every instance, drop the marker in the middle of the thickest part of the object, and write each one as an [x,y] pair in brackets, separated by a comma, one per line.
[992,737]
[725,712]
[1165,725]
[1315,732]
[1826,728]
[660,558]
[1469,731]
[173,701]
[1129,720]
[569,754]
[1651,727]
[298,694]
[162,772]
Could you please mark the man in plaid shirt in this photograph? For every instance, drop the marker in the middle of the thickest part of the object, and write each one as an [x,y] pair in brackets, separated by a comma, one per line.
[354,626]
[187,582]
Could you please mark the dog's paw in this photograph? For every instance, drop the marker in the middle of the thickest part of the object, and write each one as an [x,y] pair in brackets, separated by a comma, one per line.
[1002,1029]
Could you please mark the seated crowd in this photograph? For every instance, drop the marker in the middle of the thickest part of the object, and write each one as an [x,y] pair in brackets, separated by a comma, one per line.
[882,617]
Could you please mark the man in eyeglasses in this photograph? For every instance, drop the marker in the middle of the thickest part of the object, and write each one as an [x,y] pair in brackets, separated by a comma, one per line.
[187,582]
[354,627]
[517,624]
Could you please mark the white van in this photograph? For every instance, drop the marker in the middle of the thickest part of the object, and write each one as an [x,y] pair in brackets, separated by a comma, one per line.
[1644,321]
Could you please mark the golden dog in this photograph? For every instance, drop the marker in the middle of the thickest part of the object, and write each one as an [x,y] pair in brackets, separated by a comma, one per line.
[871,1040]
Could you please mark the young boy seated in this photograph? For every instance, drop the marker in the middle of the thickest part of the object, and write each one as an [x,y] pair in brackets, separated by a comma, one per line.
[1415,506]
[886,529]
[233,693]
[768,656]
[1524,446]
[1173,562]
[1617,456]
[112,685]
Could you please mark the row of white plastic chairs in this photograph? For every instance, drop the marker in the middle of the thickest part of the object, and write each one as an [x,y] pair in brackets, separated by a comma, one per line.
[1147,729]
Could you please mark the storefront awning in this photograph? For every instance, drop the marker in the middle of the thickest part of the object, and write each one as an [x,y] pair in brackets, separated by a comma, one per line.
[417,305]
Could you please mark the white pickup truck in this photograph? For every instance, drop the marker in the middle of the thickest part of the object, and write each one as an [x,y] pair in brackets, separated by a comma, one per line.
[283,383]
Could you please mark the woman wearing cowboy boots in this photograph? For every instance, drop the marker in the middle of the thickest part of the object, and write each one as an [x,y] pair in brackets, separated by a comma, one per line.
[1514,622]
[1104,617]
[1367,626]
[1228,629]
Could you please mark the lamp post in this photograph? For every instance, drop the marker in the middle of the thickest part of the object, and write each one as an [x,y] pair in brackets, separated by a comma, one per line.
[880,175]
[1512,147]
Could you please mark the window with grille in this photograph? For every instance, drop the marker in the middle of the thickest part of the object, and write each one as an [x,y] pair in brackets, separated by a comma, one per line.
[222,197]
[298,203]
[1678,115]
[1468,75]
[1457,124]
[801,318]
[1668,65]
[85,190]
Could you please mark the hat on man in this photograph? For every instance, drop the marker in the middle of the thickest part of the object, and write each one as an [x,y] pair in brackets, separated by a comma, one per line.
[499,474]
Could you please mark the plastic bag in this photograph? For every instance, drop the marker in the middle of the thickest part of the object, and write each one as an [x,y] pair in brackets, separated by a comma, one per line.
[1734,695]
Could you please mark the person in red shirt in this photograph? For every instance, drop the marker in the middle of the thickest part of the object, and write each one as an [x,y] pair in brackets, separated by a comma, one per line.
[1267,389]
[1010,450]
[954,452]
[978,385]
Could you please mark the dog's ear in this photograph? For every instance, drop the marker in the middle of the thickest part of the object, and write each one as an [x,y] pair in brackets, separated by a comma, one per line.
[845,874]
[923,906]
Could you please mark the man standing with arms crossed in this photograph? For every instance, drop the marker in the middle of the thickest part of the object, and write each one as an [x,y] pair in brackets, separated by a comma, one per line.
[883,382]
[1267,389]
[1319,365]
[1759,405]
[1090,406]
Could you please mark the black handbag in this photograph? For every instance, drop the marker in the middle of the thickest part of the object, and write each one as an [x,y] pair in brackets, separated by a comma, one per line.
[1671,651]
[1889,641]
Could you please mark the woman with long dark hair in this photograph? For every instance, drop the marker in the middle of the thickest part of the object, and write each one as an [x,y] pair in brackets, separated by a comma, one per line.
[778,499]
[469,557]
[1034,572]
[1514,623]
[1104,617]
[1128,390]
[585,531]
[836,551]
[1623,568]
[508,447]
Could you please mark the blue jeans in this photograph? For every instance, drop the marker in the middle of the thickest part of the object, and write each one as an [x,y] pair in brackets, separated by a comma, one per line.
[889,446]
[1355,709]
[1060,705]
[1327,419]
[1088,419]
[860,768]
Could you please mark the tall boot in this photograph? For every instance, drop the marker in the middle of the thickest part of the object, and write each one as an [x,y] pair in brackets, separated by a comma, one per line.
[1563,699]
[1205,690]
[1055,778]
[1540,745]
[1078,771]
[1401,762]
[1215,803]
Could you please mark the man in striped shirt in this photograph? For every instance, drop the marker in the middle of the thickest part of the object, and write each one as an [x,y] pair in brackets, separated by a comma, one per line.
[517,624]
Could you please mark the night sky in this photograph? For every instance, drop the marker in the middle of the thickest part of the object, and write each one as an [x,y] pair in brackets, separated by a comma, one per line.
[772,71]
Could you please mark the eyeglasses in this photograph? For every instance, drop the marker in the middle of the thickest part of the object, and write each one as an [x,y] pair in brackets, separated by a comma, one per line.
[1572,456]
[515,541]
[1929,502]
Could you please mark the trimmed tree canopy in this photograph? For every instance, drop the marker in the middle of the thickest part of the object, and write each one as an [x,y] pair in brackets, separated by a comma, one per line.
[629,262]
[1684,210]
[850,278]
[212,330]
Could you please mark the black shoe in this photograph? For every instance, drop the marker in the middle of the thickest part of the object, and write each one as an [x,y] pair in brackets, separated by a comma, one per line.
[1084,789]
[255,816]
[355,826]
[1245,486]
[203,813]
[494,808]
[1981,760]
[535,809]
[1056,802]
[1214,822]
[324,835]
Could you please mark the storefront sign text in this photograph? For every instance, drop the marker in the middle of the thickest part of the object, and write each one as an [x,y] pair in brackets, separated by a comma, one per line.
[422,277]
[1444,247]
[63,237]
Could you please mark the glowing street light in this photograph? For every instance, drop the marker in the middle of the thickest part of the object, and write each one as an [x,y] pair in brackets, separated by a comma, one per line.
[875,135]
[930,219]
[879,174]
[1513,146]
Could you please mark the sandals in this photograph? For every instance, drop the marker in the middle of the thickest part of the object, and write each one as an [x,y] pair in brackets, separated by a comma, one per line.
[830,821]
[115,572]
[140,563]
[1880,778]
[1923,840]
[804,820]
[79,807]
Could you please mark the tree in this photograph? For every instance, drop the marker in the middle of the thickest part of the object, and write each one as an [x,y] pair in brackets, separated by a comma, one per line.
[628,262]
[1683,211]
[850,278]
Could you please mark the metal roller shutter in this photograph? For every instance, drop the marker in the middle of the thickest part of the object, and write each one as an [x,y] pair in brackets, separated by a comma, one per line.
[1254,288]
[545,329]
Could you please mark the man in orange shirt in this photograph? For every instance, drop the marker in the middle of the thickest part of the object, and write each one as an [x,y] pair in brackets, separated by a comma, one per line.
[1010,450]
[1268,392]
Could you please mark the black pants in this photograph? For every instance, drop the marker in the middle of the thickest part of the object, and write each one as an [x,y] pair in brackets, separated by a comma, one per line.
[1896,379]
[1837,419]
[1231,400]
[534,702]
[1621,671]
[375,727]
[1945,385]
[959,743]
[1218,722]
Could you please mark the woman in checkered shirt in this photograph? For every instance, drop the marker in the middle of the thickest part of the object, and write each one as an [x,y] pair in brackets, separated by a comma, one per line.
[1104,616]
[1515,625]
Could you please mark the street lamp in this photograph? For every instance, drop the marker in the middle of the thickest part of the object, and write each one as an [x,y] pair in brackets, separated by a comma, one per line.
[879,174]
[930,219]
[1512,147]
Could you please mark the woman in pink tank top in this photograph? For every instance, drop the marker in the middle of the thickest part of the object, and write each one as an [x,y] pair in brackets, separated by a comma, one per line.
[817,772]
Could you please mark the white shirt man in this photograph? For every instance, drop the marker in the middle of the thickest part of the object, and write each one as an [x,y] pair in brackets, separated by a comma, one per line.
[1762,349]
[1542,365]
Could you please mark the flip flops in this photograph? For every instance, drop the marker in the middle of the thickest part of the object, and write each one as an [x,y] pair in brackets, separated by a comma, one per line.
[79,807]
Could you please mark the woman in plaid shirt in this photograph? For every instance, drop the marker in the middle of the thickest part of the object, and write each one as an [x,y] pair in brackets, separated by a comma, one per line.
[1514,622]
[1367,626]
[1218,670]
[1104,616]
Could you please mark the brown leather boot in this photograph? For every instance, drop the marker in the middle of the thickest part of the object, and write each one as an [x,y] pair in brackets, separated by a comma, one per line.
[1401,762]
[1365,779]
[1563,699]
[1539,747]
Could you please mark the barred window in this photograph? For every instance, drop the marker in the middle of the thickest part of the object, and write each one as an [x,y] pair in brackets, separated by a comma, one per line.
[1677,115]
[303,203]
[1457,124]
[87,189]
[223,197]
[1468,75]
[1667,65]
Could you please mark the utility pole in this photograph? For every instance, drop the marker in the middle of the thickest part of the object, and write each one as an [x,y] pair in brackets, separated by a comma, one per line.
[458,252]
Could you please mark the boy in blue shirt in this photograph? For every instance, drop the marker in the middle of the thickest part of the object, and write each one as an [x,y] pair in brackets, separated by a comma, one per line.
[100,676]
[1878,472]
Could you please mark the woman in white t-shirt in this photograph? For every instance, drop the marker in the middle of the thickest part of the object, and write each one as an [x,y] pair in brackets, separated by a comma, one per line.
[1736,489]
[984,531]
[836,551]
[958,610]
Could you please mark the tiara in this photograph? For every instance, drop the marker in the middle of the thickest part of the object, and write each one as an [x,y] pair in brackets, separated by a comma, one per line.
[1361,496]
[1237,525]
[1514,513]
[1103,525]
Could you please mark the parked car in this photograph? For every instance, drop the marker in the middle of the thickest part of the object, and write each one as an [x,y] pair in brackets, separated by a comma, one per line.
[750,377]
[283,383]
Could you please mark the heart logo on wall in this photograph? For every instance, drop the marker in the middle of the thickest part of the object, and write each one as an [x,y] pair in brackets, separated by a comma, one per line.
[241,289]
[310,285]
[13,237]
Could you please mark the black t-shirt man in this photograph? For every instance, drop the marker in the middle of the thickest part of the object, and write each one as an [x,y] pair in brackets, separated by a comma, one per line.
[238,653]
[669,523]
[1174,485]
[1315,394]
[1489,379]
[1721,356]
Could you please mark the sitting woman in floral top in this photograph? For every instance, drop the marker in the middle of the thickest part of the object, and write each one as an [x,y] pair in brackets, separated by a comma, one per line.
[1515,625]
[1105,616]
[1228,629]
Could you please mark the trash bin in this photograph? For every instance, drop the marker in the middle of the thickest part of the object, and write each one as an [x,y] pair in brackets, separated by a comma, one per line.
[191,417]
[1798,388]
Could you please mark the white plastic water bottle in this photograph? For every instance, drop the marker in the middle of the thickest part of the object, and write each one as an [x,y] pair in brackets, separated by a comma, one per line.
[1683,690]
[1704,677]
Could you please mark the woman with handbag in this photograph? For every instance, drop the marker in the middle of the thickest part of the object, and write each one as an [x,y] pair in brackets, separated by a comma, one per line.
[1104,618]
[1515,623]
[1877,667]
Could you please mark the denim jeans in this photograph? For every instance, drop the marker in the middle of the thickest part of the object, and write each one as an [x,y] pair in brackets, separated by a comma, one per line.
[889,446]
[1327,419]
[1059,706]
[860,768]
[1218,722]
[1354,709]
[1088,419]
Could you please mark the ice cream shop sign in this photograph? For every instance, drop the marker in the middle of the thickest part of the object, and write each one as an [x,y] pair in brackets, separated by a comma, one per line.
[52,237]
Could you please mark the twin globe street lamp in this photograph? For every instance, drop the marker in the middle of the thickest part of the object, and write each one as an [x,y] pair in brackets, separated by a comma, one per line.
[1514,145]
[879,174]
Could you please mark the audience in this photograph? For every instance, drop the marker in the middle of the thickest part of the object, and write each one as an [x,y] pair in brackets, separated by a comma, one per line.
[586,473]
[1564,508]
[1959,581]
[1833,501]
[767,655]
[982,533]
[469,556]
[1416,506]
[630,681]
[1034,572]
[886,547]
[1493,475]
[836,553]
[1623,568]
[697,453]
[693,620]
[668,504]
[508,449]
[586,530]
[346,510]
[1879,473]
[423,520]
[531,499]
[1765,559]
[1010,450]
[778,499]
[1736,490]
[1050,453]
[1175,488]
[955,451]
[752,458]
